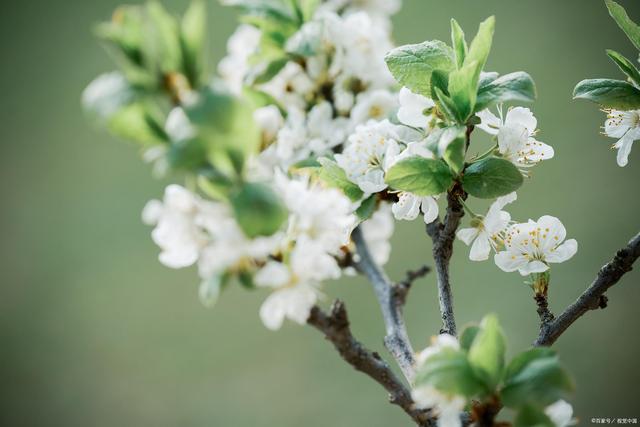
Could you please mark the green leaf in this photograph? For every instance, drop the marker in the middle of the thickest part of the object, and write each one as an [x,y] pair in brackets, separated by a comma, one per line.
[516,86]
[412,65]
[188,154]
[540,382]
[454,139]
[463,89]
[162,38]
[450,372]
[308,8]
[520,362]
[193,36]
[334,176]
[458,42]
[481,44]
[491,177]
[609,93]
[420,176]
[225,124]
[625,65]
[487,352]
[468,336]
[265,72]
[446,105]
[134,122]
[366,208]
[630,28]
[530,416]
[258,210]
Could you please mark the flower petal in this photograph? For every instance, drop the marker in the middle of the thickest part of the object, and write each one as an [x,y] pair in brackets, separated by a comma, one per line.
[467,235]
[480,249]
[521,116]
[430,209]
[508,261]
[533,267]
[489,122]
[563,252]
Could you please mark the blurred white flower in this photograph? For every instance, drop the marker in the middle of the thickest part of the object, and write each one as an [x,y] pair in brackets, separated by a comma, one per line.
[176,230]
[376,104]
[624,125]
[368,153]
[412,109]
[324,215]
[531,246]
[269,119]
[234,67]
[489,231]
[296,284]
[561,413]
[515,134]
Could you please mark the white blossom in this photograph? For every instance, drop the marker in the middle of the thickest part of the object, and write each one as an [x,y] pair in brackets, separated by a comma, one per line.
[296,284]
[234,67]
[376,104]
[176,230]
[448,406]
[368,153]
[531,246]
[624,125]
[489,231]
[292,86]
[412,109]
[560,413]
[515,135]
[324,215]
[269,119]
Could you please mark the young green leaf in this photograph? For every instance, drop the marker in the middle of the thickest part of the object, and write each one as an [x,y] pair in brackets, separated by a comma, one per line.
[463,89]
[334,176]
[447,107]
[257,209]
[226,125]
[481,44]
[193,36]
[458,42]
[541,382]
[455,149]
[519,362]
[467,336]
[516,86]
[163,38]
[188,154]
[491,177]
[625,65]
[487,352]
[450,372]
[530,416]
[630,28]
[412,65]
[366,208]
[609,93]
[420,176]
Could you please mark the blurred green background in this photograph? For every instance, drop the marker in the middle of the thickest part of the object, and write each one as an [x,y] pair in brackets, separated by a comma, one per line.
[95,332]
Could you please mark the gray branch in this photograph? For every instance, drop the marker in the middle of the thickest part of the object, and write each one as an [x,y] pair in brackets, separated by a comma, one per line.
[335,327]
[391,299]
[593,298]
[443,234]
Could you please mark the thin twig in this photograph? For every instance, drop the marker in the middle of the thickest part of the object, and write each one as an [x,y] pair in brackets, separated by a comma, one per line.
[443,235]
[335,327]
[592,298]
[391,302]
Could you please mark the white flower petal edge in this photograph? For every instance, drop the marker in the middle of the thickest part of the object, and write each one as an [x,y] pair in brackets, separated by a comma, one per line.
[412,108]
[560,413]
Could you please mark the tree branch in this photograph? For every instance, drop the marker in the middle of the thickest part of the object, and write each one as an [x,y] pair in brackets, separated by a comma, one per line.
[391,299]
[443,235]
[593,298]
[335,327]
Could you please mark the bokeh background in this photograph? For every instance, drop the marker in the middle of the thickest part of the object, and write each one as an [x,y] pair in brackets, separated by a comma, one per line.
[95,332]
